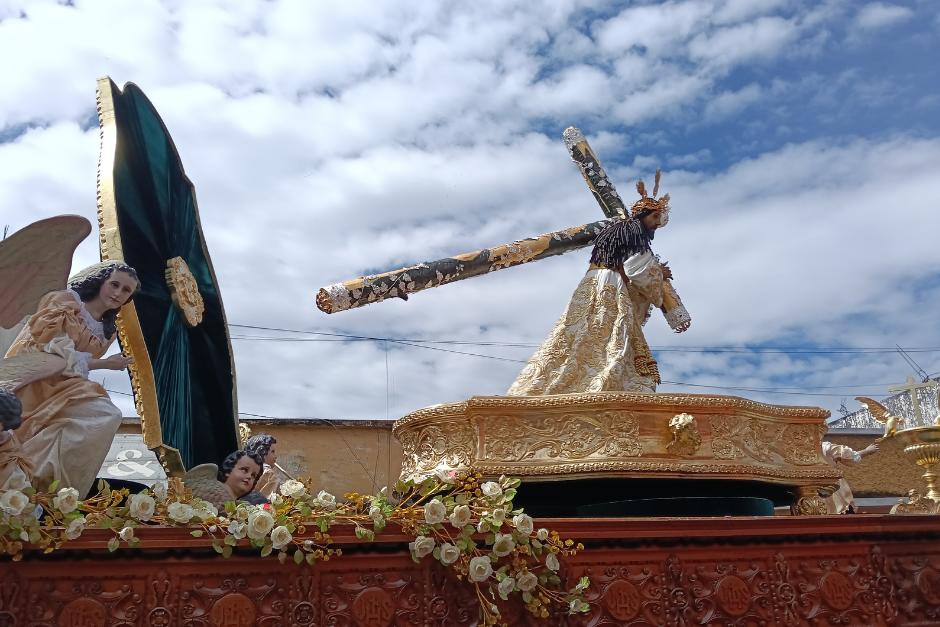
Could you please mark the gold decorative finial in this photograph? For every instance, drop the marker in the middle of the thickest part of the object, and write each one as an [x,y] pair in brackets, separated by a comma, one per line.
[244,432]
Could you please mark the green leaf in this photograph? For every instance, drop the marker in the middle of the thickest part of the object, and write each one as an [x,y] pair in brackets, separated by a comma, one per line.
[509,495]
[226,551]
[298,557]
[231,540]
[266,549]
[217,545]
[323,524]
[365,534]
[311,558]
[113,544]
[54,486]
[196,533]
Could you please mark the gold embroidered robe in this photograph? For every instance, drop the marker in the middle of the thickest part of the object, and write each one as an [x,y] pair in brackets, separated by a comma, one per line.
[598,344]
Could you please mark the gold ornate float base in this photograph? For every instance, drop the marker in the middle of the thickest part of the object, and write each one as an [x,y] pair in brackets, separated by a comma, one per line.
[922,445]
[621,435]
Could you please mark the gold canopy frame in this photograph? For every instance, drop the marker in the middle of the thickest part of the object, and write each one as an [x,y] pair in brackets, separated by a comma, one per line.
[130,333]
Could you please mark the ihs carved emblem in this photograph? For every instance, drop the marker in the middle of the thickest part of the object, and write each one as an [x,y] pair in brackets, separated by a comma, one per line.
[184,291]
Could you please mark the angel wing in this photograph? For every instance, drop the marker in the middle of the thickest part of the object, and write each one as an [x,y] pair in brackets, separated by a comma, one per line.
[203,481]
[36,260]
[878,411]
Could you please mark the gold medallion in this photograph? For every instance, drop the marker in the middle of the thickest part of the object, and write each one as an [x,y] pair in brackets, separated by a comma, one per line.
[184,291]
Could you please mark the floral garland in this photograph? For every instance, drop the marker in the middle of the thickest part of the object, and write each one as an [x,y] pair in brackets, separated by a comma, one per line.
[467,525]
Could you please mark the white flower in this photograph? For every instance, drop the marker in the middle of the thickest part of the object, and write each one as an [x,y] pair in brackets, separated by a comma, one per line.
[449,553]
[527,581]
[506,586]
[17,481]
[213,528]
[499,516]
[480,568]
[24,535]
[435,512]
[276,499]
[326,500]
[308,544]
[237,529]
[542,534]
[491,489]
[375,513]
[127,534]
[293,488]
[523,523]
[445,475]
[422,546]
[551,562]
[180,512]
[75,528]
[66,500]
[13,502]
[260,523]
[159,490]
[205,510]
[281,537]
[481,526]
[141,506]
[503,545]
[460,517]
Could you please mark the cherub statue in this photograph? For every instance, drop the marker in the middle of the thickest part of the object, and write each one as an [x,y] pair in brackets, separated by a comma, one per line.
[237,477]
[68,421]
[880,413]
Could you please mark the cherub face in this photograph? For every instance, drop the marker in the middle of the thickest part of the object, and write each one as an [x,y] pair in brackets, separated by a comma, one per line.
[243,476]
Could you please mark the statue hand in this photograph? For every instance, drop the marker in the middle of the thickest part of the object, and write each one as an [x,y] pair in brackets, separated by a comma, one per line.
[116,362]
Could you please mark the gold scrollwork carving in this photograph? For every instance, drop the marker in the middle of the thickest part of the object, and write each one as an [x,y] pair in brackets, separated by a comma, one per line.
[564,436]
[184,291]
[446,445]
[802,444]
[735,437]
[808,502]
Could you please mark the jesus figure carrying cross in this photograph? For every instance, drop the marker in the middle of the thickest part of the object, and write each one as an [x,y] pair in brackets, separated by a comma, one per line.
[598,344]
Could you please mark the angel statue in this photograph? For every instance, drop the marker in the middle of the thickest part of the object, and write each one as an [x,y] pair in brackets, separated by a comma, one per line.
[68,421]
[236,478]
[598,344]
[881,413]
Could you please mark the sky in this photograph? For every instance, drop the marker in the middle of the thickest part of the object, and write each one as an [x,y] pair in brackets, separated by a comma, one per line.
[799,141]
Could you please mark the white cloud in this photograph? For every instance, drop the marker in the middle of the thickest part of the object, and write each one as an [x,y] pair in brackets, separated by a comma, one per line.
[877,15]
[730,102]
[328,139]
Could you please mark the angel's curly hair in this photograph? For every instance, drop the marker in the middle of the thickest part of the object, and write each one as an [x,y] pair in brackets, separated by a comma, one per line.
[228,465]
[11,411]
[88,286]
[260,444]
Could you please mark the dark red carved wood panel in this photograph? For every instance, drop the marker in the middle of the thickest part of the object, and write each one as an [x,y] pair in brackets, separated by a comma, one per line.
[862,570]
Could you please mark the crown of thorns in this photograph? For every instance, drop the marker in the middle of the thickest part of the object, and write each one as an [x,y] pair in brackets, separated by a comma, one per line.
[651,203]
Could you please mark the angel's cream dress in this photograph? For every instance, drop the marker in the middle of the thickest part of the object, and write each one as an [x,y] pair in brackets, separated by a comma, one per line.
[597,344]
[68,420]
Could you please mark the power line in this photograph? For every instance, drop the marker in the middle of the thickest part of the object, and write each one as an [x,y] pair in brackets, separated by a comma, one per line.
[324,336]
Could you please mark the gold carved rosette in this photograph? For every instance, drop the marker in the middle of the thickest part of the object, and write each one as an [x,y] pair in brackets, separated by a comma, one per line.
[616,434]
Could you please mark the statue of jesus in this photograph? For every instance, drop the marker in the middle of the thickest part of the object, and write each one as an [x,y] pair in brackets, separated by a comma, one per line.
[598,344]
